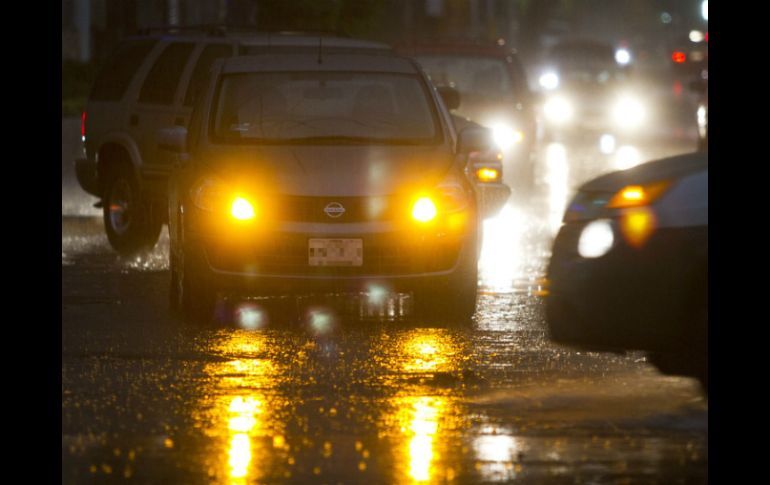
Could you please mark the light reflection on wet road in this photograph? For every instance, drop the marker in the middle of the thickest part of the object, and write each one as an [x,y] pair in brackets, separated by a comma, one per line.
[357,400]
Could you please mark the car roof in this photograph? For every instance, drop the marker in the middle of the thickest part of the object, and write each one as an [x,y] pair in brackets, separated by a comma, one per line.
[329,61]
[260,39]
[455,48]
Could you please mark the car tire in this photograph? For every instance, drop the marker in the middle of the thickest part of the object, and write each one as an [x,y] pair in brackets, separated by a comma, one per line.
[191,297]
[128,222]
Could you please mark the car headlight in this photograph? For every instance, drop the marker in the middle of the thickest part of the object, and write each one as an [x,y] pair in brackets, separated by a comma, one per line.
[558,110]
[447,199]
[549,80]
[596,239]
[212,195]
[209,195]
[505,135]
[628,112]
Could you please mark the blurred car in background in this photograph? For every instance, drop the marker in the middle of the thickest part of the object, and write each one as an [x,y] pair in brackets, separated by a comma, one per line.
[484,167]
[494,92]
[588,98]
[702,115]
[629,268]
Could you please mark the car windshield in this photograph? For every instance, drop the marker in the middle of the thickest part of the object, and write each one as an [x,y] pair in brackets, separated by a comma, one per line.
[324,107]
[480,76]
[592,65]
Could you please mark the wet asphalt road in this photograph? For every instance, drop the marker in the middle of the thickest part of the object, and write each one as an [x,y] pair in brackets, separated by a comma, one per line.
[334,390]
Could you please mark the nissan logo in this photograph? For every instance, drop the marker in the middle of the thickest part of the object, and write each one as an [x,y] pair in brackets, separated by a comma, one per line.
[334,209]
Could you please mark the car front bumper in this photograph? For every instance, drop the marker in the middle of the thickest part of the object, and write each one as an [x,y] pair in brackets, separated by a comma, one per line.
[277,263]
[632,298]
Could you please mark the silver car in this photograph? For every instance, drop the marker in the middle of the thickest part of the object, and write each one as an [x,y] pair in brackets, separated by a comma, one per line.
[322,172]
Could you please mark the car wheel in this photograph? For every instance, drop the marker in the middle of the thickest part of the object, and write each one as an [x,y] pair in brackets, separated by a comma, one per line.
[174,292]
[129,224]
[191,297]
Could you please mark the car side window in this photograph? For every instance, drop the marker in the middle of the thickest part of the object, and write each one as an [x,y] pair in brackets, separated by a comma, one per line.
[161,82]
[209,54]
[116,75]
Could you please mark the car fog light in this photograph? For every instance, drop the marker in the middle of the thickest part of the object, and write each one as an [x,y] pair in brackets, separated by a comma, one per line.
[596,239]
[424,210]
[242,209]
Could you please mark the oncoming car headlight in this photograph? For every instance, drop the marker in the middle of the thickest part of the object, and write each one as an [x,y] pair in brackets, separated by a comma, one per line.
[549,80]
[505,135]
[242,209]
[558,109]
[628,112]
[214,196]
[596,239]
[424,209]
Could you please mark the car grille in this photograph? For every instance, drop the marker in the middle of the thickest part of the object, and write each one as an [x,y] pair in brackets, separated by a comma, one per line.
[288,255]
[356,209]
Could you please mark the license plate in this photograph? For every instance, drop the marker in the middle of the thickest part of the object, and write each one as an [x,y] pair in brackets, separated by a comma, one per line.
[336,252]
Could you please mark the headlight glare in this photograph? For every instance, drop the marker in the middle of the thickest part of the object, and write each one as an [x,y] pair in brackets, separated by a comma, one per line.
[505,135]
[558,110]
[628,112]
[549,80]
[241,209]
[596,239]
[424,209]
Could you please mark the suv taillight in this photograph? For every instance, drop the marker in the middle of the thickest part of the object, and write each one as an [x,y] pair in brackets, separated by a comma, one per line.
[83,126]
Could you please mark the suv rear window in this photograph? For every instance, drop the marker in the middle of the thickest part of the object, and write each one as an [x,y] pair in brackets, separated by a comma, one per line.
[161,83]
[116,75]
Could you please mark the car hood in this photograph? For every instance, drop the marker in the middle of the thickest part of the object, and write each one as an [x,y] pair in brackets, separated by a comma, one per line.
[591,199]
[321,170]
[667,168]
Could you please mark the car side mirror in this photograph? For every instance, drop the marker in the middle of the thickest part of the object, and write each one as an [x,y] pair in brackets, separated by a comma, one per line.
[450,96]
[474,139]
[173,139]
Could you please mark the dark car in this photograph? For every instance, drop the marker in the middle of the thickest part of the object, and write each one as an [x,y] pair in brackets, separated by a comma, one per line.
[323,172]
[494,92]
[149,83]
[629,269]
